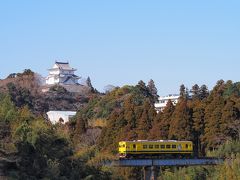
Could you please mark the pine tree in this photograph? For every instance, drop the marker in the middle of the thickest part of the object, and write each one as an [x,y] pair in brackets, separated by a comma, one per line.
[229,116]
[198,124]
[195,92]
[146,119]
[143,125]
[143,89]
[129,113]
[153,90]
[213,135]
[162,121]
[181,123]
[182,91]
[204,93]
[89,84]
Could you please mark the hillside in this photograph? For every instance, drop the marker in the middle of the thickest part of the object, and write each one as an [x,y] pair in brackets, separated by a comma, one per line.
[211,119]
[26,89]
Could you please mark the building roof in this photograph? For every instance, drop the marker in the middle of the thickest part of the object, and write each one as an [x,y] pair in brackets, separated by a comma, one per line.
[62,65]
[63,112]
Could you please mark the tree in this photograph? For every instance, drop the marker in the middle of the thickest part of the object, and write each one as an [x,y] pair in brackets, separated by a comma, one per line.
[89,84]
[143,88]
[213,135]
[182,90]
[181,123]
[198,117]
[129,113]
[8,112]
[81,125]
[162,121]
[229,114]
[195,91]
[20,96]
[146,119]
[153,90]
[184,94]
[204,93]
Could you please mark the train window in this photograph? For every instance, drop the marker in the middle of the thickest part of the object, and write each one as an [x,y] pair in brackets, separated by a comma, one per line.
[174,146]
[186,146]
[157,146]
[123,145]
[134,146]
[179,147]
[150,146]
[144,146]
[162,146]
[168,146]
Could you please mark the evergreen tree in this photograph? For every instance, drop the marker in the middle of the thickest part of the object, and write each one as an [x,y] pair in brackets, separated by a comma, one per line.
[143,125]
[182,90]
[195,92]
[129,116]
[213,135]
[89,84]
[162,121]
[204,93]
[143,89]
[198,124]
[181,123]
[153,90]
[129,113]
[184,94]
[229,117]
[146,119]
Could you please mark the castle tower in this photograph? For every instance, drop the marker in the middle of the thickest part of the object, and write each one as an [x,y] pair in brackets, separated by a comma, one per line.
[61,73]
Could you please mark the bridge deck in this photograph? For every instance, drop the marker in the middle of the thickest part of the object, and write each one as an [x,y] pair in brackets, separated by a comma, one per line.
[165,162]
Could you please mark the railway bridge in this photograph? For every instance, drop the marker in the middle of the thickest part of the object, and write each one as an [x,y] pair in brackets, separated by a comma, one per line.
[150,166]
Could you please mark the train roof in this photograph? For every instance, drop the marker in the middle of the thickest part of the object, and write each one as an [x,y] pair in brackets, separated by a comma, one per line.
[155,141]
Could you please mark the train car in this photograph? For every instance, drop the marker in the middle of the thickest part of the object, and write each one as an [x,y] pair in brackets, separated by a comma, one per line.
[160,148]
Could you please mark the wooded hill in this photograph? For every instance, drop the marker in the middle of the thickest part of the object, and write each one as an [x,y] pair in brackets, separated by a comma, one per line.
[32,148]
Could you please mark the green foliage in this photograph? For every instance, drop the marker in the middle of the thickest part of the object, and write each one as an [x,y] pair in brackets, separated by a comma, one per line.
[20,96]
[226,149]
[7,109]
[197,173]
[45,151]
[229,170]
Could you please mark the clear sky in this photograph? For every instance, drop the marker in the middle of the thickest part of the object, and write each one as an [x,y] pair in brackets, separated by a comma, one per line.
[120,42]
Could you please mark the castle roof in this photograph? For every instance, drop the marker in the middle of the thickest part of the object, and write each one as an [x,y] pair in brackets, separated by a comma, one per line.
[63,66]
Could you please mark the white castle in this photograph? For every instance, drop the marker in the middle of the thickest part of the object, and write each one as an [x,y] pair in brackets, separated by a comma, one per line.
[62,73]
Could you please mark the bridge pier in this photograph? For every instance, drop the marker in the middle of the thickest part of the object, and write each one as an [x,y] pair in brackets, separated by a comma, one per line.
[150,173]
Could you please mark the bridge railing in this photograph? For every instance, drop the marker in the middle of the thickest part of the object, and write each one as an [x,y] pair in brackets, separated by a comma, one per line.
[165,162]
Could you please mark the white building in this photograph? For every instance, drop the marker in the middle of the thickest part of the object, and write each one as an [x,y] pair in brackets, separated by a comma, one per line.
[55,116]
[61,73]
[164,99]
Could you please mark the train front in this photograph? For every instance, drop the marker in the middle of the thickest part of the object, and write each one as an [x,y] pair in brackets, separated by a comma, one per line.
[122,149]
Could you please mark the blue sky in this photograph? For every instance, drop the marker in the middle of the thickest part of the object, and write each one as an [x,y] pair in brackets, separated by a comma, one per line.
[123,41]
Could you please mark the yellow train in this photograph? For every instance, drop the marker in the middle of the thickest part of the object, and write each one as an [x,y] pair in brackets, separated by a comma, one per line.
[161,148]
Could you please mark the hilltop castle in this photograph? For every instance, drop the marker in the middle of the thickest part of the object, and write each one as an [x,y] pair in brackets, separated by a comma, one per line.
[61,73]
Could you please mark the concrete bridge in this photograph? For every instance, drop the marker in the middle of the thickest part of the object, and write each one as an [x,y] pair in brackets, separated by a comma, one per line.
[150,166]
